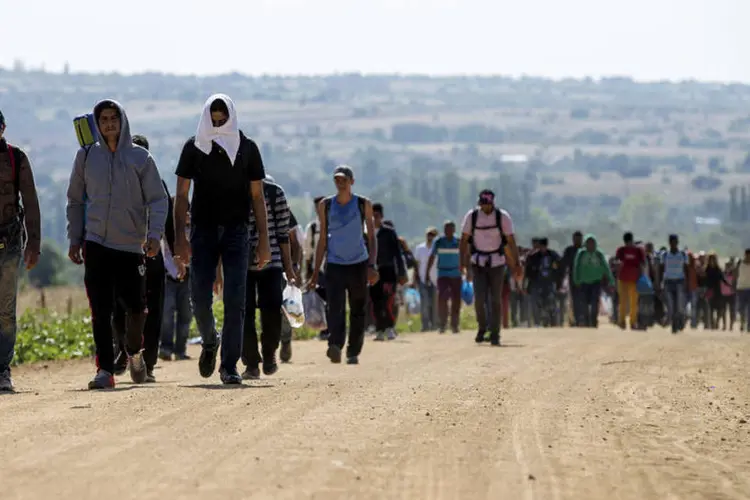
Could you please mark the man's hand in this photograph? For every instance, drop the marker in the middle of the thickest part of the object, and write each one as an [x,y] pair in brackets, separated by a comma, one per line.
[372,276]
[312,282]
[403,280]
[292,278]
[74,254]
[518,272]
[152,247]
[30,258]
[182,248]
[218,285]
[264,254]
[181,268]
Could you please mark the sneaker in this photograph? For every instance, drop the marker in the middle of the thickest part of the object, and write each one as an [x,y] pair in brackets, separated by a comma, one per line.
[182,357]
[441,331]
[479,338]
[102,380]
[285,353]
[6,383]
[121,363]
[229,377]
[251,373]
[392,334]
[269,365]
[207,361]
[334,353]
[495,340]
[456,331]
[324,335]
[138,371]
[165,355]
[150,378]
[380,337]
[352,360]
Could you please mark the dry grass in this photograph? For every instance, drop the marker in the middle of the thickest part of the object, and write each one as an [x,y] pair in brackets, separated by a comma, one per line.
[58,299]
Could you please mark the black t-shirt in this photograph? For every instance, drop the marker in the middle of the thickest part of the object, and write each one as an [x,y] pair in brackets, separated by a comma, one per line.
[221,191]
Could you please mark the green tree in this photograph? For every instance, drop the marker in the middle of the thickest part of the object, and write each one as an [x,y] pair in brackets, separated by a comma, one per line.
[51,268]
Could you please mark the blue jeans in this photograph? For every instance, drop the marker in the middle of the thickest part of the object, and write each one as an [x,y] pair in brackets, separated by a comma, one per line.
[10,267]
[675,293]
[231,244]
[178,313]
[427,306]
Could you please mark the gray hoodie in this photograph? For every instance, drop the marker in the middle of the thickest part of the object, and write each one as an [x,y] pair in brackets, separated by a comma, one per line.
[116,199]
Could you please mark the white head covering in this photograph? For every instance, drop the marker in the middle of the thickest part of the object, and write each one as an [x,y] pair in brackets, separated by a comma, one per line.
[227,136]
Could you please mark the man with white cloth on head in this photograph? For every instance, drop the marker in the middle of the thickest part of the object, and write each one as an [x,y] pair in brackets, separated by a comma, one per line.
[227,171]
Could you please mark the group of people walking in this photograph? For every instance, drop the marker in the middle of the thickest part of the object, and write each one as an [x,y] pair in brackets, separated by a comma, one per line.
[152,261]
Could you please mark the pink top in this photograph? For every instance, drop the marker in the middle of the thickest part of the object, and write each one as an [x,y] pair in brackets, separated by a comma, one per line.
[726,290]
[488,240]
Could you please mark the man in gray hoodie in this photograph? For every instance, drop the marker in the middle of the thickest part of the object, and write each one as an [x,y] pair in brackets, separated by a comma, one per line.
[117,209]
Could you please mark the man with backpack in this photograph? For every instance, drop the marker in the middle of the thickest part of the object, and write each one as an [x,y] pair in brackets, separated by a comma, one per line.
[265,287]
[19,220]
[487,231]
[673,274]
[117,208]
[445,252]
[350,263]
[311,244]
[227,170]
[392,272]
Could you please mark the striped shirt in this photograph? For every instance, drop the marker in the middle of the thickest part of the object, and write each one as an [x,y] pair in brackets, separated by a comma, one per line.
[279,215]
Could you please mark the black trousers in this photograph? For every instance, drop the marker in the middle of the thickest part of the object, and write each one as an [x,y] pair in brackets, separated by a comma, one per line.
[112,275]
[383,297]
[340,280]
[264,291]
[155,283]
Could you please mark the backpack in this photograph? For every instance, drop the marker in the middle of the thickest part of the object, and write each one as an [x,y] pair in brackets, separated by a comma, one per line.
[361,202]
[498,224]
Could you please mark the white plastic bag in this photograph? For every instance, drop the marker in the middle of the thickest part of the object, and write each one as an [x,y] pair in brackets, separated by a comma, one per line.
[292,306]
[315,310]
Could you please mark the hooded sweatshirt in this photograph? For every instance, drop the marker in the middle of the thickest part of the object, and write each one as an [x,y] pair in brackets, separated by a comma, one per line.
[116,199]
[591,267]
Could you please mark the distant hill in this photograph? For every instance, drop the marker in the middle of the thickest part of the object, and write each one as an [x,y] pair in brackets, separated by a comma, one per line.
[559,153]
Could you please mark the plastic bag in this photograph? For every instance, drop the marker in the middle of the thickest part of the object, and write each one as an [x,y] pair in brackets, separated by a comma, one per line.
[467,292]
[293,307]
[644,285]
[412,300]
[315,310]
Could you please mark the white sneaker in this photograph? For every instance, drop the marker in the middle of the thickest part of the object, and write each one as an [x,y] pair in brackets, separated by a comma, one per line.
[392,334]
[380,337]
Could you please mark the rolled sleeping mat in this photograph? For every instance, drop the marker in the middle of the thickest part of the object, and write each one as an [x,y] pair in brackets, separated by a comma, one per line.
[85,129]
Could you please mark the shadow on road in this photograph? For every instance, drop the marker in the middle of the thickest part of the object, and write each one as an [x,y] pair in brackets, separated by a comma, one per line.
[222,387]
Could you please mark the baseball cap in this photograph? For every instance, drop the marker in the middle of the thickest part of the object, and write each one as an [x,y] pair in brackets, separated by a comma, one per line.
[344,171]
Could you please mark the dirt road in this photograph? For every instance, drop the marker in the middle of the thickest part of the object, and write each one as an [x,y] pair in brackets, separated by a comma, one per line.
[557,414]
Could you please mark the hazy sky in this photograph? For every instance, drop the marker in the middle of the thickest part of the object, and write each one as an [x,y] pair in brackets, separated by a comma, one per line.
[646,39]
